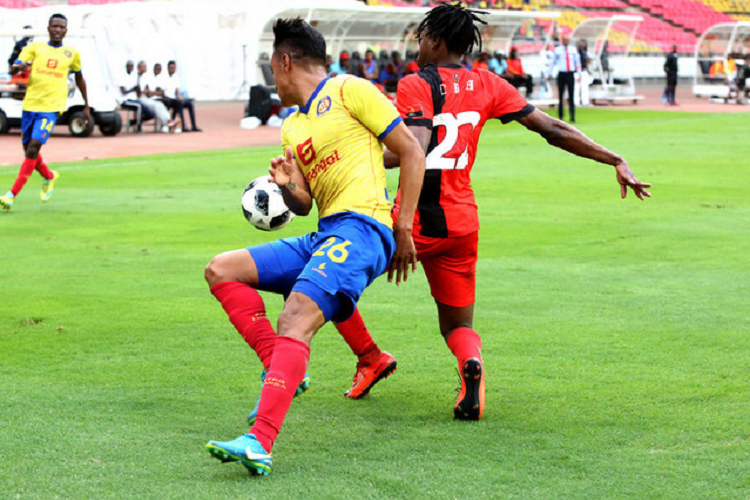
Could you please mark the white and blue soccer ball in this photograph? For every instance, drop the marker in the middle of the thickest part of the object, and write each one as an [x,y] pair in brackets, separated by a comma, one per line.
[263,205]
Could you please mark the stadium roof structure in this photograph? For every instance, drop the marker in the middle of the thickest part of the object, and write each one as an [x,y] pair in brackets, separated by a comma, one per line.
[713,58]
[604,32]
[392,28]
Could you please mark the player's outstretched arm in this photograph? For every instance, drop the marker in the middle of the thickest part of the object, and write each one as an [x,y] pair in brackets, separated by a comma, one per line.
[564,136]
[411,157]
[286,173]
[81,84]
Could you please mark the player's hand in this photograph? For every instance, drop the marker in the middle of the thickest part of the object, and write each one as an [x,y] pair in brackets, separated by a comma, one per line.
[282,167]
[627,179]
[404,257]
[86,116]
[19,68]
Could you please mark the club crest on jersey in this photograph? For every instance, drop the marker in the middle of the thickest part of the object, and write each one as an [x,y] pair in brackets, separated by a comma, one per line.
[305,152]
[324,105]
[68,54]
[415,111]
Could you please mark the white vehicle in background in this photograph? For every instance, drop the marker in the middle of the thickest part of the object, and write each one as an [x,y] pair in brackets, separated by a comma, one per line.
[102,103]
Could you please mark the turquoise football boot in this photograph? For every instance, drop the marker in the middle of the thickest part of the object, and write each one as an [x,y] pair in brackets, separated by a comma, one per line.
[245,449]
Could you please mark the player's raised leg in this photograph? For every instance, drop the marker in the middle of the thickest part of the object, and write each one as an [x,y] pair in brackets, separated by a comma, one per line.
[50,176]
[299,321]
[373,365]
[27,168]
[450,267]
[233,278]
[234,281]
[466,345]
[35,130]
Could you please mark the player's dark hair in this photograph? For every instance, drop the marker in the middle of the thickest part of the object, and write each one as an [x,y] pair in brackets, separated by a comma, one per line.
[172,62]
[455,25]
[57,16]
[299,40]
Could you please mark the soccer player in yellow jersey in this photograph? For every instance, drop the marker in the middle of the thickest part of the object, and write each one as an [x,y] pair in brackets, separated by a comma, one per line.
[45,99]
[333,154]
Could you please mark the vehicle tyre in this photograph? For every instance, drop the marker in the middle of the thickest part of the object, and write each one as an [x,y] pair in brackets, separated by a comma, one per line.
[76,125]
[110,123]
[4,125]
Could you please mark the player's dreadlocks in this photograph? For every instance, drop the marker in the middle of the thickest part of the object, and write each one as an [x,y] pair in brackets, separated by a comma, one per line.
[454,24]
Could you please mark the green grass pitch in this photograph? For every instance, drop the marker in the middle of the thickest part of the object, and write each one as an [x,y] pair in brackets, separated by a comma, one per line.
[616,333]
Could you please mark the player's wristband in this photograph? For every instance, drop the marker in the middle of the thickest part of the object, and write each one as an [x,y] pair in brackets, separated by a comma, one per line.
[18,61]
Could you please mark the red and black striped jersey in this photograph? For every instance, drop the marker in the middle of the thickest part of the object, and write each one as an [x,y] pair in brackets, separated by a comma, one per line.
[454,104]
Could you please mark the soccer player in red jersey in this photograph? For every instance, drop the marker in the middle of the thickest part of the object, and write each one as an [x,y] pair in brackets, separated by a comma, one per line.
[445,106]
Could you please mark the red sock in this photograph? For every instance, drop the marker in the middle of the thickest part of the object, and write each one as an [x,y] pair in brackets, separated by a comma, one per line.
[288,368]
[359,339]
[41,167]
[247,313]
[27,168]
[464,343]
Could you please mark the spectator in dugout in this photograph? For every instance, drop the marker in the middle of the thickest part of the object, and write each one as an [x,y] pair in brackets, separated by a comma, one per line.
[177,99]
[392,72]
[148,97]
[128,98]
[368,68]
[329,62]
[157,86]
[482,61]
[497,64]
[515,74]
[743,77]
[343,66]
[18,47]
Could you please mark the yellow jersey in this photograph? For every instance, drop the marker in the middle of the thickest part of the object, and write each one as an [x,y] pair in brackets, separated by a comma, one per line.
[336,140]
[48,80]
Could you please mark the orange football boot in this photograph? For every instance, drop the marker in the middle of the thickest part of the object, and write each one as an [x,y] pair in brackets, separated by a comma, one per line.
[368,375]
[470,404]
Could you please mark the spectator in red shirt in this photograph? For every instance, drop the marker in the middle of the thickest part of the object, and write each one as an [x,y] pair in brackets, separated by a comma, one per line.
[515,74]
[483,61]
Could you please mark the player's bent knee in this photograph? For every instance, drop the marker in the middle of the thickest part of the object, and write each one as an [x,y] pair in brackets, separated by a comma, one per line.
[301,318]
[32,151]
[217,270]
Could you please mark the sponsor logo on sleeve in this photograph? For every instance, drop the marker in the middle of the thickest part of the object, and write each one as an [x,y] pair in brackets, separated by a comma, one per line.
[415,111]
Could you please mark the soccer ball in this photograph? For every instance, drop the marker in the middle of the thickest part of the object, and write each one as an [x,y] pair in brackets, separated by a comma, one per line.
[263,205]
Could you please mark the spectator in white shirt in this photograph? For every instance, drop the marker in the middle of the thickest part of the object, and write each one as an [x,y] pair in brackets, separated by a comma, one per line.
[148,98]
[566,63]
[128,98]
[178,101]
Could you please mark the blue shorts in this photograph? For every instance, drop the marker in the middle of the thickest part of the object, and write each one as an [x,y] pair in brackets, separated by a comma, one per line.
[332,266]
[37,125]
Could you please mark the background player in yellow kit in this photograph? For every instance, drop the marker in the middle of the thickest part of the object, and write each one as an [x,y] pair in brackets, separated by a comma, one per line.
[333,153]
[46,96]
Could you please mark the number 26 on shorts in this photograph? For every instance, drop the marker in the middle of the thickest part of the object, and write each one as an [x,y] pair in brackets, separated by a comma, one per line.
[337,253]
